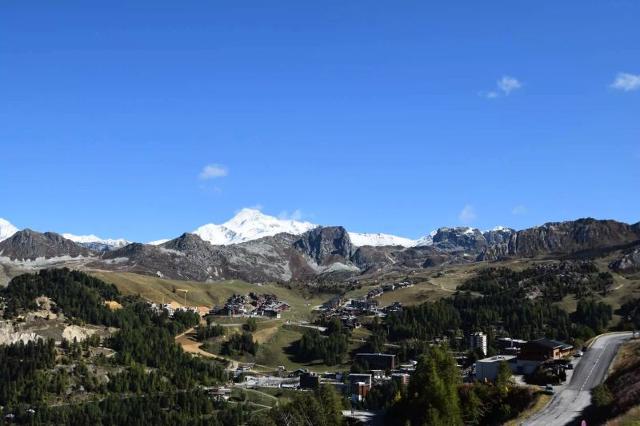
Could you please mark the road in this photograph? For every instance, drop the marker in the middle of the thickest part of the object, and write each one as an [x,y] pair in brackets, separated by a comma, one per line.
[589,372]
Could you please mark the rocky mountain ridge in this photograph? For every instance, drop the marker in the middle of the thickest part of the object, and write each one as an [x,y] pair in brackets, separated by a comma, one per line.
[323,252]
[31,245]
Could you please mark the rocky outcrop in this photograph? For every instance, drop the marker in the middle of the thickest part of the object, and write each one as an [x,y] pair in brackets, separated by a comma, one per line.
[498,241]
[190,257]
[31,245]
[372,258]
[326,245]
[573,236]
[564,238]
[628,263]
[498,236]
[459,239]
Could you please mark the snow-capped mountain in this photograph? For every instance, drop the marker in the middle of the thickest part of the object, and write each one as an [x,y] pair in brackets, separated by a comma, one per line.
[96,243]
[6,229]
[378,239]
[427,240]
[250,224]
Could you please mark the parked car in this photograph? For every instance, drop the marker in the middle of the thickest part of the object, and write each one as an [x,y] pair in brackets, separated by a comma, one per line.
[578,354]
[549,390]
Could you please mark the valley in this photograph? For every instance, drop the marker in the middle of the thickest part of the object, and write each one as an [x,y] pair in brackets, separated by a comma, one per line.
[284,314]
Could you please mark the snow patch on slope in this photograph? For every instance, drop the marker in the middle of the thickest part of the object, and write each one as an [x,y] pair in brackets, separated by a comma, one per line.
[499,228]
[378,239]
[6,229]
[427,240]
[93,239]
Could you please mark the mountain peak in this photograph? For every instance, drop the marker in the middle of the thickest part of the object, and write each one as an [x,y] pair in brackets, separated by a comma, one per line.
[245,215]
[250,224]
[30,245]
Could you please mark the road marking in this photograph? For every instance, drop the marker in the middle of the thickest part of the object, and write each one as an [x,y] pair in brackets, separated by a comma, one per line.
[595,364]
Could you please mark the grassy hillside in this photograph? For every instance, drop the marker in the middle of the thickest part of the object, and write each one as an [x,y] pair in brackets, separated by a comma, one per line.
[624,385]
[430,284]
[205,294]
[276,337]
[625,288]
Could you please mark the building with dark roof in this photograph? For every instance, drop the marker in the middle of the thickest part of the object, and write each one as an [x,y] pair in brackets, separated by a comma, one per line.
[544,350]
[377,361]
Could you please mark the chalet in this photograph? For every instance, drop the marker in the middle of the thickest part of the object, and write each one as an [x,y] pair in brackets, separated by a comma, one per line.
[394,307]
[374,293]
[364,305]
[388,287]
[220,394]
[333,303]
[544,350]
[253,304]
[271,313]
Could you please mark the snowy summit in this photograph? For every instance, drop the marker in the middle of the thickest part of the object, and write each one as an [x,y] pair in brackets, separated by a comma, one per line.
[94,239]
[6,229]
[250,224]
[378,239]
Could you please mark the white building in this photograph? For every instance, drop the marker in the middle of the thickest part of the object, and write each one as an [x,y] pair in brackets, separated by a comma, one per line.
[487,368]
[478,340]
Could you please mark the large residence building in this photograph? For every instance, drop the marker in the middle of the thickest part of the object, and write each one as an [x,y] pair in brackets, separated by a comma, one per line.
[544,350]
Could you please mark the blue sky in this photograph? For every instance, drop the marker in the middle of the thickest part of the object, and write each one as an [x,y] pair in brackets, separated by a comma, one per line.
[394,117]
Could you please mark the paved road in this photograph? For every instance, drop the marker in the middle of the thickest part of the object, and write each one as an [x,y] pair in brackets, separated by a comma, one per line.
[589,372]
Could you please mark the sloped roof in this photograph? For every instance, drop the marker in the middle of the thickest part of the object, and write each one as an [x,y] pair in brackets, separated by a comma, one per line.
[551,344]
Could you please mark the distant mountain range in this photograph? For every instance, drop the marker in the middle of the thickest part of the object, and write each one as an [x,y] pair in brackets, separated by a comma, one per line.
[259,248]
[247,225]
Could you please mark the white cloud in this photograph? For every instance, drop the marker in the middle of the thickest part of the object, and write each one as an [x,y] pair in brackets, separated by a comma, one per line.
[294,215]
[626,82]
[212,171]
[508,84]
[504,87]
[467,215]
[519,209]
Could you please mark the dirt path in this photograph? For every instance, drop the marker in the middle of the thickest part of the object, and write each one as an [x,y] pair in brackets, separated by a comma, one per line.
[192,346]
[265,334]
